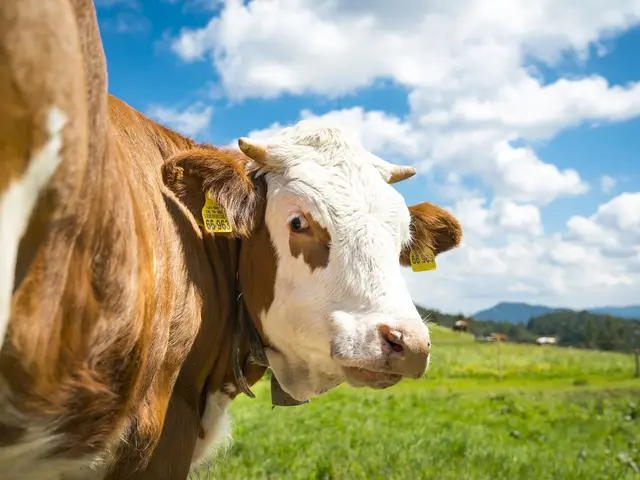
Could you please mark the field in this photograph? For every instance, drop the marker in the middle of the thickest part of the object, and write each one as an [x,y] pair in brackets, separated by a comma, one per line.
[556,414]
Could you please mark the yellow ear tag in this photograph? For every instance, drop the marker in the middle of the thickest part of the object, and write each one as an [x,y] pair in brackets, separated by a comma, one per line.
[214,217]
[422,261]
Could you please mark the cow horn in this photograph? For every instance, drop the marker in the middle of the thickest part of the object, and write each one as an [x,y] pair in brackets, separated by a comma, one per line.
[253,150]
[391,172]
[401,172]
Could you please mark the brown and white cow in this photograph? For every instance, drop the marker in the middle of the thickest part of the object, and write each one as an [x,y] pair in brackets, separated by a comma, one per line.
[124,334]
[460,326]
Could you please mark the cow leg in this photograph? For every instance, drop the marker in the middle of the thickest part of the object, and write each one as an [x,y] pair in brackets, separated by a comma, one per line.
[172,454]
[179,449]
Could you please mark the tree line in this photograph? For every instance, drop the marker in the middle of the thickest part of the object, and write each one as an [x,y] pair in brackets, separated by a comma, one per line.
[571,328]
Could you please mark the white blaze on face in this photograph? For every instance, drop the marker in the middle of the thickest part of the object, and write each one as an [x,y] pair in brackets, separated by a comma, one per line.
[338,229]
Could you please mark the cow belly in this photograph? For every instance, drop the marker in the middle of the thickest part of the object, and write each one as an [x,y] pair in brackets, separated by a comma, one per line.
[29,460]
[26,452]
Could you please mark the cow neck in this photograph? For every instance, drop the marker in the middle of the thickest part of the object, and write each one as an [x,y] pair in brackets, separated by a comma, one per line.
[256,347]
[245,326]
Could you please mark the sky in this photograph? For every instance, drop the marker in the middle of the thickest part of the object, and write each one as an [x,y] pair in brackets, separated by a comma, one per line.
[522,118]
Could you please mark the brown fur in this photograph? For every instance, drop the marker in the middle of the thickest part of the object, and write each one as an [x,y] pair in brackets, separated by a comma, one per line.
[431,227]
[314,244]
[115,288]
[221,172]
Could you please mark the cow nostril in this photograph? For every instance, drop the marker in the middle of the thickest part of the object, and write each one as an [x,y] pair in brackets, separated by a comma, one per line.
[393,338]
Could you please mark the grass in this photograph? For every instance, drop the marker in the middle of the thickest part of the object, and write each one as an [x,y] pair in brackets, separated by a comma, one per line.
[557,414]
[457,355]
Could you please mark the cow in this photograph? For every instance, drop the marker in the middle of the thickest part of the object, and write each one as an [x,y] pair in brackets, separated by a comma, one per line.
[147,280]
[460,326]
[546,340]
[499,337]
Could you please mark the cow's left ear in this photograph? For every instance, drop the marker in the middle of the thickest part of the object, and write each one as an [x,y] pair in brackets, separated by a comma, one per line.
[432,227]
[216,176]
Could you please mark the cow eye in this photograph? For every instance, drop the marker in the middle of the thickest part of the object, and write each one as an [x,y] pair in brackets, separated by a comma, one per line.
[297,223]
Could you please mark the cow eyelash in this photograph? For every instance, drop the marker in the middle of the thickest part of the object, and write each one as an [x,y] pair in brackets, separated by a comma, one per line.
[298,223]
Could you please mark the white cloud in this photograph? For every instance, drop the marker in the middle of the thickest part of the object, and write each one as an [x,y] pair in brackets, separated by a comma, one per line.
[607,183]
[520,174]
[588,231]
[536,111]
[191,121]
[505,215]
[476,105]
[511,172]
[471,94]
[505,252]
[622,213]
[595,261]
[380,132]
[519,218]
[266,47]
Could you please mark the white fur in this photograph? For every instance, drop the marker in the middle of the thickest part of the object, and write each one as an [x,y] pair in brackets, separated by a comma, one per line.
[312,168]
[216,425]
[18,202]
[28,460]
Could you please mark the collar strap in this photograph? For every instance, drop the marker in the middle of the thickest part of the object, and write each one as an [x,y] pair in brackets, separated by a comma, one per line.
[257,354]
[256,349]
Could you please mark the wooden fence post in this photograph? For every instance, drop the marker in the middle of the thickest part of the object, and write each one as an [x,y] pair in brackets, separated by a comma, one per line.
[498,342]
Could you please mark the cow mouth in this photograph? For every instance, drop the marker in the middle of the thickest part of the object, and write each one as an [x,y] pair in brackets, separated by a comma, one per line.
[359,377]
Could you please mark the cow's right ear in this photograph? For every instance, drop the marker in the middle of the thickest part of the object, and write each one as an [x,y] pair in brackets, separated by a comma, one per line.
[220,174]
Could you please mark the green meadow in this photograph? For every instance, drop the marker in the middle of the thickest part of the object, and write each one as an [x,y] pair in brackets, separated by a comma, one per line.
[483,411]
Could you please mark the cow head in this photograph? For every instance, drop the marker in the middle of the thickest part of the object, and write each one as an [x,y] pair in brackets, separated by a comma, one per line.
[321,264]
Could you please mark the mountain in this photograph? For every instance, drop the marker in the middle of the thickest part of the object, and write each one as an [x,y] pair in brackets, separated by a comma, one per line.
[516,312]
[632,311]
[512,312]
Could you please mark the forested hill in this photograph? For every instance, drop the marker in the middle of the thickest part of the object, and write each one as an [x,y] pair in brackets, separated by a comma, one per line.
[518,312]
[512,312]
[575,329]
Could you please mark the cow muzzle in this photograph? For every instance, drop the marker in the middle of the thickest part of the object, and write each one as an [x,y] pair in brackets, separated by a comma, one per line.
[391,352]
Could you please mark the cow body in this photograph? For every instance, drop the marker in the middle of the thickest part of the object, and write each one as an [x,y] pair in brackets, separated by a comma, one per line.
[110,273]
[460,326]
[121,320]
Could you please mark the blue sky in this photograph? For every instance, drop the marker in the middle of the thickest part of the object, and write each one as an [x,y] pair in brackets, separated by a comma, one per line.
[473,94]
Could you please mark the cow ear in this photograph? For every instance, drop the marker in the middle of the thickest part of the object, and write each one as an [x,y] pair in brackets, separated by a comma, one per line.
[221,175]
[433,228]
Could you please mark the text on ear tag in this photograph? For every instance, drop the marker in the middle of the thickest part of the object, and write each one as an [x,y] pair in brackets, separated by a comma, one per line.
[214,217]
[422,261]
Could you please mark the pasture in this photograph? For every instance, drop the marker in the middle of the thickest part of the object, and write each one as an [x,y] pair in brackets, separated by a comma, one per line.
[556,414]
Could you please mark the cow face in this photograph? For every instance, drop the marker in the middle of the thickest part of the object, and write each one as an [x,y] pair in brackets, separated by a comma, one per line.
[324,238]
[340,308]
